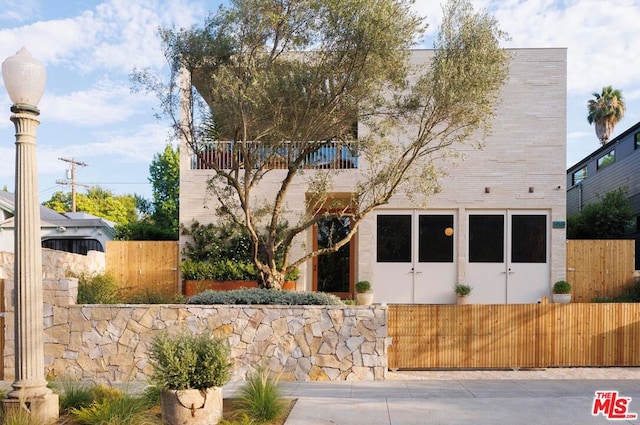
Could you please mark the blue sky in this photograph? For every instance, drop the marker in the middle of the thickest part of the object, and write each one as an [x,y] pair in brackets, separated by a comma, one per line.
[90,47]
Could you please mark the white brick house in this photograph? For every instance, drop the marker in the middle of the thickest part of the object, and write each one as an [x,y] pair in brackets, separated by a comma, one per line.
[502,207]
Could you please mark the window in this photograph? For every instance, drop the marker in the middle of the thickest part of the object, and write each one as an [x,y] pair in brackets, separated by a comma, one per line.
[75,246]
[637,141]
[486,238]
[434,244]
[528,239]
[394,239]
[579,175]
[606,159]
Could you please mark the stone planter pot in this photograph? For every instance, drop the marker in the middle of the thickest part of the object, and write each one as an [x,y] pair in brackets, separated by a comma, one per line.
[192,287]
[192,407]
[364,298]
[562,298]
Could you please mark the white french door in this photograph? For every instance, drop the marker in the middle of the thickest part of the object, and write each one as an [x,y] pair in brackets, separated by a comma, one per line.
[508,256]
[415,257]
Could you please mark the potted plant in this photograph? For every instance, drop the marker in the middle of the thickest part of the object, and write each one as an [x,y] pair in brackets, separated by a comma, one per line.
[562,292]
[191,370]
[364,294]
[462,292]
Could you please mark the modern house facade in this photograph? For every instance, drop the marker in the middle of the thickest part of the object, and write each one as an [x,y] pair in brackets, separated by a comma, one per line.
[612,166]
[77,233]
[498,223]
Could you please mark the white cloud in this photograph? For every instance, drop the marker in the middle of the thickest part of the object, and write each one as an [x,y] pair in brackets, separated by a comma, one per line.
[106,102]
[18,10]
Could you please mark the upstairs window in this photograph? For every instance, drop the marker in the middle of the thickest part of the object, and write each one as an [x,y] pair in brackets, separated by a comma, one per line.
[606,159]
[637,141]
[579,175]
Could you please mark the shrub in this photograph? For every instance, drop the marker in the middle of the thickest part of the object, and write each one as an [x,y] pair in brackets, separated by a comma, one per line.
[462,289]
[98,289]
[561,287]
[264,296]
[187,361]
[260,397]
[363,286]
[218,270]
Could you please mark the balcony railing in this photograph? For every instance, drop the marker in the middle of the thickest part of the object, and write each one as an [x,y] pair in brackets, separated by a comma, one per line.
[329,155]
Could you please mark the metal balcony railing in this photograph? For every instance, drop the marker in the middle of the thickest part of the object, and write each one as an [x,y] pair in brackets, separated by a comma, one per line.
[329,155]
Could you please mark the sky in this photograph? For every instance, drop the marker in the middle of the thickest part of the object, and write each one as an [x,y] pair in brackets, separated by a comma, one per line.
[90,48]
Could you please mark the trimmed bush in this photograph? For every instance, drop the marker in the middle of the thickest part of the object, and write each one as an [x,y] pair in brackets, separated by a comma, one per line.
[264,296]
[218,270]
[188,361]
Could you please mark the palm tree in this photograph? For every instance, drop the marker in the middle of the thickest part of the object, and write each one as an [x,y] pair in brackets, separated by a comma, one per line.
[605,111]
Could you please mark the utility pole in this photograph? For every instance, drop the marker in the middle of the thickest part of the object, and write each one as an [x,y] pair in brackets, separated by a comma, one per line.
[72,181]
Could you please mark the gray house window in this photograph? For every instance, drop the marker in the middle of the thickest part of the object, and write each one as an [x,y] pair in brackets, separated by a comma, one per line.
[637,140]
[579,175]
[606,159]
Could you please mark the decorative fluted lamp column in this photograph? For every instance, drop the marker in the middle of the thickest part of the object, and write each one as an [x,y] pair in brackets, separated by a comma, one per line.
[24,79]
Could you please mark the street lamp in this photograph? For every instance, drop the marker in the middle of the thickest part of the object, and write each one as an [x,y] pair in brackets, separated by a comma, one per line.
[24,79]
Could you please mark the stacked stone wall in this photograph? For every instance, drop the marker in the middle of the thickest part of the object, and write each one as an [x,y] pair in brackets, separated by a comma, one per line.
[111,343]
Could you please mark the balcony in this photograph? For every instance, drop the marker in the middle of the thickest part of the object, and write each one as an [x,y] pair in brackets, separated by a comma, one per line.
[328,155]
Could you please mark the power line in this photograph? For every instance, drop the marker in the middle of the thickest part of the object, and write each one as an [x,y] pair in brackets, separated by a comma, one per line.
[71,180]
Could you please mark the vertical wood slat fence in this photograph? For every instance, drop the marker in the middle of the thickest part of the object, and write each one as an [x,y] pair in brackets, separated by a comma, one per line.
[142,266]
[599,268]
[513,336]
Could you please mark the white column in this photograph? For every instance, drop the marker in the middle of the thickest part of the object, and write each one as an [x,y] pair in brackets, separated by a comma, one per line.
[29,349]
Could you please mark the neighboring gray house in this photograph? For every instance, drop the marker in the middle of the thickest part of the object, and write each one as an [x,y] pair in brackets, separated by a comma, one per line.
[614,165]
[71,232]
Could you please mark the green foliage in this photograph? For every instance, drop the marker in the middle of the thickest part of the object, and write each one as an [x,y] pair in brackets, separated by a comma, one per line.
[631,294]
[75,395]
[363,286]
[606,219]
[98,201]
[349,302]
[243,419]
[98,289]
[260,397]
[562,287]
[606,109]
[210,242]
[264,296]
[160,216]
[123,410]
[18,417]
[462,289]
[187,361]
[218,270]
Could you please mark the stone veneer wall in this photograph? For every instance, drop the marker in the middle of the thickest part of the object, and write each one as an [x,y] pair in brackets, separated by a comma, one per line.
[58,291]
[110,343]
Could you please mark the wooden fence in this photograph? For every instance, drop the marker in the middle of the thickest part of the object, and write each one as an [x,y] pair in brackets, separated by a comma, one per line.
[513,336]
[599,268]
[142,266]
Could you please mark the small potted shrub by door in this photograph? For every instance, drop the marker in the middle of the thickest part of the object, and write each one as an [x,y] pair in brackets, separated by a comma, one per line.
[191,370]
[462,293]
[364,294]
[562,292]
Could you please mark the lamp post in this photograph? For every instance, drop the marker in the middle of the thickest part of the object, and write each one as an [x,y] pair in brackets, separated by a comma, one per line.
[24,79]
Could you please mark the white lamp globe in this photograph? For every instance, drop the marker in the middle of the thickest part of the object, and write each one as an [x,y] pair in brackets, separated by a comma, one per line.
[25,78]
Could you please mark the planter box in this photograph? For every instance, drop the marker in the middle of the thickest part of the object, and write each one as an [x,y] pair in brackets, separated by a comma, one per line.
[192,287]
[197,407]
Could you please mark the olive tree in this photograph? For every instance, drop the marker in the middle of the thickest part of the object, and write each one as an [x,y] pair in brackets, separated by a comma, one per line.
[272,72]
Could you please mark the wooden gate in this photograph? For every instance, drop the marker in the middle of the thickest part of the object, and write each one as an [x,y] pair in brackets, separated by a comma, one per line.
[142,266]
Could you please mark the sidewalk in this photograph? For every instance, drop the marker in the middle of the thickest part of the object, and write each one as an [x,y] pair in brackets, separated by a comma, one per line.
[547,396]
